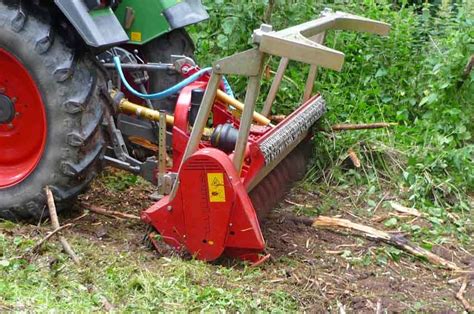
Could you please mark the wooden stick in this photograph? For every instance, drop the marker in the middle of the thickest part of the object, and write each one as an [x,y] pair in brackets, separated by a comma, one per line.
[365,126]
[55,223]
[468,68]
[355,160]
[278,118]
[111,213]
[392,239]
[298,205]
[49,236]
[460,296]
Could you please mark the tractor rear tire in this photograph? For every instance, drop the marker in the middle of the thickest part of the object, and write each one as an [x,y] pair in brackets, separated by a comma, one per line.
[176,42]
[68,112]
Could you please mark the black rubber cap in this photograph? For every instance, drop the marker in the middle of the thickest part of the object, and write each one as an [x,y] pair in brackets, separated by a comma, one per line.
[7,110]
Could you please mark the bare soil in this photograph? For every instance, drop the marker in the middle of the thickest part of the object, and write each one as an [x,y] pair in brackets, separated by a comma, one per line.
[323,270]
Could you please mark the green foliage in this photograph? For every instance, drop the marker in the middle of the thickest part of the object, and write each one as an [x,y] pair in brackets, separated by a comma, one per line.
[412,77]
[120,181]
[130,283]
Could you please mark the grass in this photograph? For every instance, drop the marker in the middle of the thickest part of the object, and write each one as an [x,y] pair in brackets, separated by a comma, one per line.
[132,283]
[411,77]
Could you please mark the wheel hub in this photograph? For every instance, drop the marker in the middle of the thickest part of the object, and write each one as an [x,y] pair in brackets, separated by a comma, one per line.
[23,126]
[7,110]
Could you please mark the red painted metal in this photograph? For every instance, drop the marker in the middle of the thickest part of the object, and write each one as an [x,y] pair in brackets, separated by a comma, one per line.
[207,225]
[22,141]
[204,226]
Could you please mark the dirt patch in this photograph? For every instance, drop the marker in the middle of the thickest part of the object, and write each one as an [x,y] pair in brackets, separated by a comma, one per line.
[323,270]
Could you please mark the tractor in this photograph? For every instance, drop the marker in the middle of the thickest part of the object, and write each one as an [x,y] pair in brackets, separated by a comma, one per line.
[89,83]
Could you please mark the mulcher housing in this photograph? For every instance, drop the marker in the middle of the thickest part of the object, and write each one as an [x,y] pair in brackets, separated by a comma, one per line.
[218,193]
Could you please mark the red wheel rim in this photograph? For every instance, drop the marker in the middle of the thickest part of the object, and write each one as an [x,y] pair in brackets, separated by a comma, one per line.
[22,139]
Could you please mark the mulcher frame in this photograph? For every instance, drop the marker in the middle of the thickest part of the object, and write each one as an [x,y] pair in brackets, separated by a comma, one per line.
[188,218]
[299,43]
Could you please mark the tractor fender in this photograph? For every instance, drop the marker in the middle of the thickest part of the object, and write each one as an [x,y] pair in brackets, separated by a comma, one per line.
[186,13]
[98,28]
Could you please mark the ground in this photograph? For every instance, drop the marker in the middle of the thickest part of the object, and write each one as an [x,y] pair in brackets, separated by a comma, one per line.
[310,270]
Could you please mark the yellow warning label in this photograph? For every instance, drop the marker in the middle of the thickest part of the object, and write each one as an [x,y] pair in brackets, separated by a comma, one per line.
[215,181]
[136,36]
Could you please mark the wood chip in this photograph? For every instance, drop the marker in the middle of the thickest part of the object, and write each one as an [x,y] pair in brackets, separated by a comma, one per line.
[405,210]
[355,160]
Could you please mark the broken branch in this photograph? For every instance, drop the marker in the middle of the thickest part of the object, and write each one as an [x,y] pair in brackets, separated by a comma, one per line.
[278,118]
[460,296]
[364,126]
[55,223]
[375,234]
[110,213]
[49,236]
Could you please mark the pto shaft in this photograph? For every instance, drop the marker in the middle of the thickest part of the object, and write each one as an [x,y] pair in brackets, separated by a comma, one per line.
[130,108]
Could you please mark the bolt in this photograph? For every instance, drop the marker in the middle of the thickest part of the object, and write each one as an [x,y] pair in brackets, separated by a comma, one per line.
[185,70]
[170,208]
[218,67]
[10,126]
[14,99]
[2,90]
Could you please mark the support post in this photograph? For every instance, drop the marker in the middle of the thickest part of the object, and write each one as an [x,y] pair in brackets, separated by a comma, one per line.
[313,71]
[200,123]
[253,90]
[275,86]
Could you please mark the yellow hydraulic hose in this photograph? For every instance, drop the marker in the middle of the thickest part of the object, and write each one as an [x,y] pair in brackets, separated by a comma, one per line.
[131,108]
[260,119]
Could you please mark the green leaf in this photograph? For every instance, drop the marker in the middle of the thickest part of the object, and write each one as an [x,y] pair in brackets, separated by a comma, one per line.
[431,98]
[390,223]
[381,72]
[4,263]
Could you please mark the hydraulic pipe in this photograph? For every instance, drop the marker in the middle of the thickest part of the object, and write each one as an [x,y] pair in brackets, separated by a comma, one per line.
[260,119]
[130,108]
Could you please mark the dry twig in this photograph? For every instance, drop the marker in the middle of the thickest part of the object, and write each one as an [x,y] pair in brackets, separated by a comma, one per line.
[460,296]
[405,210]
[278,118]
[298,205]
[110,213]
[55,223]
[364,126]
[40,243]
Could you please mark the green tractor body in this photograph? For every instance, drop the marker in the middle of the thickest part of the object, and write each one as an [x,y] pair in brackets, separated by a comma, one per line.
[134,21]
[145,20]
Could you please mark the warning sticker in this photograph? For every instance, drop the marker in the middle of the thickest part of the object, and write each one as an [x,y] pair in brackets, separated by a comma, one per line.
[136,36]
[215,182]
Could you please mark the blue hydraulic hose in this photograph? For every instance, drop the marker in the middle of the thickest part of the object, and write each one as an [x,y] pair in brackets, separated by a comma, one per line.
[161,95]
[228,88]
